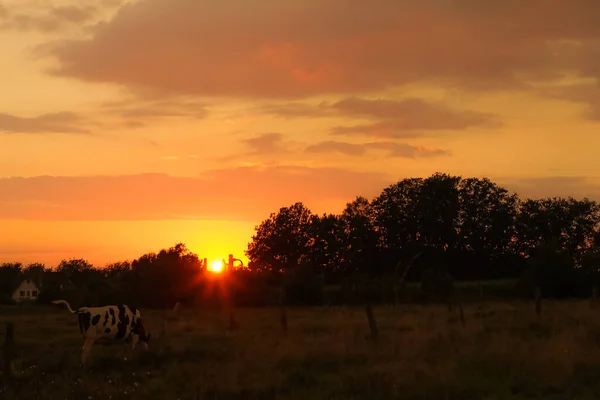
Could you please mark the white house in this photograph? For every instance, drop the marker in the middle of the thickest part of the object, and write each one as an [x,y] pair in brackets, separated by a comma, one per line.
[27,291]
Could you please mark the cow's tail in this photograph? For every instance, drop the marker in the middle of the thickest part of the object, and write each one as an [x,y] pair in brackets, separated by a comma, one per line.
[66,304]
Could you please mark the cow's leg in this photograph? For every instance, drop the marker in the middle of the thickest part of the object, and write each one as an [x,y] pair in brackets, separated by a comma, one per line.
[85,351]
[134,340]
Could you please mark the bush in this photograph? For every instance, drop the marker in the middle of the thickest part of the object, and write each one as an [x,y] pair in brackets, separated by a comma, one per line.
[436,285]
[552,269]
[303,287]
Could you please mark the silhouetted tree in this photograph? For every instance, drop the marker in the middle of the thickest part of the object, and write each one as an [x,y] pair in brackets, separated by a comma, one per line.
[574,223]
[282,241]
[326,242]
[551,268]
[396,214]
[359,237]
[589,266]
[10,274]
[438,210]
[487,216]
[165,278]
[446,227]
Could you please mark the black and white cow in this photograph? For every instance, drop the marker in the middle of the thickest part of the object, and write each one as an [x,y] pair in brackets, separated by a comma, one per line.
[116,322]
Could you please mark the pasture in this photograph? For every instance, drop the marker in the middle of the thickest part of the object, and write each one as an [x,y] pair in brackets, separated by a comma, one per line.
[502,351]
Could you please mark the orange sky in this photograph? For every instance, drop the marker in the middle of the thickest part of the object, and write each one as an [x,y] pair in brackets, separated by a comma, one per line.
[126,127]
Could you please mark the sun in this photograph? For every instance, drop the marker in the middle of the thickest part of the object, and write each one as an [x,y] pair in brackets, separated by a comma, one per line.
[216,266]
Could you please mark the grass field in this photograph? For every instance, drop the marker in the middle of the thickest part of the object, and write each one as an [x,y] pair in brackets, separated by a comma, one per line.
[503,351]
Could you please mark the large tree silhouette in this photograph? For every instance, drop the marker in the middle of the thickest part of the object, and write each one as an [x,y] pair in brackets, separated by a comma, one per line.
[574,223]
[282,241]
[466,228]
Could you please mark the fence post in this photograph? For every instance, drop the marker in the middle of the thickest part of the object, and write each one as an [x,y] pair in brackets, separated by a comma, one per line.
[9,349]
[372,322]
[369,310]
[233,324]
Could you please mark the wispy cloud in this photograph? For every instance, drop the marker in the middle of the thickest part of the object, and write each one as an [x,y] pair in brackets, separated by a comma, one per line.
[267,143]
[140,109]
[390,149]
[65,122]
[47,19]
[391,118]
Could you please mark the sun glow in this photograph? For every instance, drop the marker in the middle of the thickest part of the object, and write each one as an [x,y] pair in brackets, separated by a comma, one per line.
[216,266]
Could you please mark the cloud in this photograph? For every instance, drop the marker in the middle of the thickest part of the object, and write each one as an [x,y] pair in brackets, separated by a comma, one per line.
[398,118]
[414,113]
[267,143]
[297,110]
[301,49]
[133,109]
[388,129]
[132,115]
[64,122]
[245,193]
[392,149]
[46,20]
[587,94]
[394,118]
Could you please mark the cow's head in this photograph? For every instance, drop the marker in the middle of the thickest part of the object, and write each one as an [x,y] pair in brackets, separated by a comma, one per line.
[144,341]
[144,337]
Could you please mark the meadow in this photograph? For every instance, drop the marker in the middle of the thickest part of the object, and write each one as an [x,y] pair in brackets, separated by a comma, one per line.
[501,350]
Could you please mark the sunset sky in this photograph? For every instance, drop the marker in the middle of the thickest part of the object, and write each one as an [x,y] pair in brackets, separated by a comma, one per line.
[126,127]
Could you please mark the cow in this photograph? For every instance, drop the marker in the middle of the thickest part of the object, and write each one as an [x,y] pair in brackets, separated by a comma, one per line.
[115,322]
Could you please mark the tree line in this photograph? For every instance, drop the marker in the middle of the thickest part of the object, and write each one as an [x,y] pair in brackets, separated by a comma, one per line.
[431,231]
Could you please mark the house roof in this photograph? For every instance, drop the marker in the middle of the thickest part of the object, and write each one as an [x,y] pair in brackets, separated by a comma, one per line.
[28,282]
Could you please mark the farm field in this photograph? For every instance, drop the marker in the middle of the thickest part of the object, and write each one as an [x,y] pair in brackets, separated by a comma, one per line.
[502,351]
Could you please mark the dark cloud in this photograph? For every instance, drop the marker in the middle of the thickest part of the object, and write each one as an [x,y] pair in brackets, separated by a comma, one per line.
[391,149]
[393,118]
[300,49]
[246,193]
[64,122]
[398,118]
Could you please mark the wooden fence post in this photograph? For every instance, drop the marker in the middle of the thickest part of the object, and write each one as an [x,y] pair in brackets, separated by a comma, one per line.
[462,314]
[369,310]
[372,322]
[9,349]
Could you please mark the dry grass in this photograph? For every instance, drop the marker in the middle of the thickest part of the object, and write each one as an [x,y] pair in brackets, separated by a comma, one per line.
[503,352]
